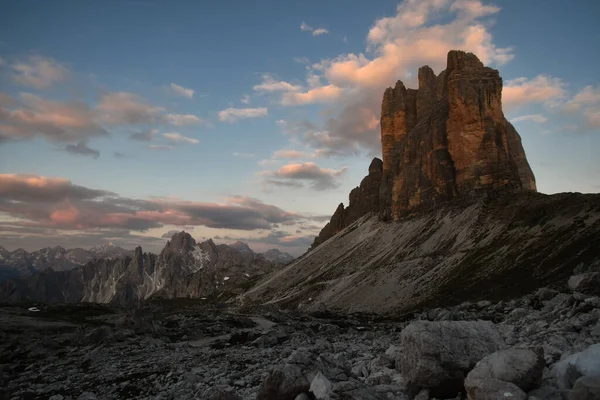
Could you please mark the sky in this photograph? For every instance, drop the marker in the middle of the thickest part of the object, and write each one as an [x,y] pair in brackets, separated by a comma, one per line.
[125,121]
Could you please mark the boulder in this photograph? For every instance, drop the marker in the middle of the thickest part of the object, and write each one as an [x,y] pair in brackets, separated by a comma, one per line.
[585,363]
[586,388]
[283,384]
[438,355]
[521,367]
[493,389]
[320,387]
[588,283]
[547,393]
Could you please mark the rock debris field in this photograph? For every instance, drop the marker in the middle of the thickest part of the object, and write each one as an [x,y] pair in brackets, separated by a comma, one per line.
[543,346]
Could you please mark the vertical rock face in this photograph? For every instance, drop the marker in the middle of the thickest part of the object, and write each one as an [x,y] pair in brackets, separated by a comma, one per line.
[363,199]
[445,140]
[448,139]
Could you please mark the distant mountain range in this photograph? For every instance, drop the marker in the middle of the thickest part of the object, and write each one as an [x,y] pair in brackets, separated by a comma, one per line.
[273,255]
[22,263]
[183,268]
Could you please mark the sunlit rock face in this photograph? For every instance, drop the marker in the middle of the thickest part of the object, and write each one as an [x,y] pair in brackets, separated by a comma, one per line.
[448,139]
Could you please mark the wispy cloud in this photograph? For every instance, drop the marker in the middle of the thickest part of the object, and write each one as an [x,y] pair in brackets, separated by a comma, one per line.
[245,99]
[39,72]
[296,175]
[184,119]
[539,118]
[542,90]
[82,149]
[144,136]
[315,32]
[182,91]
[235,114]
[244,155]
[160,147]
[175,137]
[269,84]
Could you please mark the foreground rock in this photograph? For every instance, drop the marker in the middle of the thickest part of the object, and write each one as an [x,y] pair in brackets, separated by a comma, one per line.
[513,371]
[438,355]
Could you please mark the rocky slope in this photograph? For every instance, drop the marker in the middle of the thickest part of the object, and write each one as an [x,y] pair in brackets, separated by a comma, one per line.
[184,268]
[22,263]
[542,346]
[489,249]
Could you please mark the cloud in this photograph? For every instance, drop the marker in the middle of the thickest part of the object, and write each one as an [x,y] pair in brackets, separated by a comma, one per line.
[169,234]
[420,33]
[587,103]
[323,94]
[540,119]
[184,119]
[25,188]
[301,60]
[160,147]
[292,154]
[39,72]
[144,136]
[320,31]
[245,99]
[175,137]
[315,32]
[82,149]
[234,114]
[31,116]
[117,154]
[182,91]
[269,84]
[59,204]
[294,175]
[587,96]
[123,108]
[541,89]
[265,163]
[592,115]
[244,155]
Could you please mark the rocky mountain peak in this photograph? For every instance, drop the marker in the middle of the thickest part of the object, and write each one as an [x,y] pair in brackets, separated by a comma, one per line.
[181,242]
[241,247]
[447,139]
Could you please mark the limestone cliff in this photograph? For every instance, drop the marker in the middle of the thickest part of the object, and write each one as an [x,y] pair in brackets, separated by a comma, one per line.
[363,200]
[447,139]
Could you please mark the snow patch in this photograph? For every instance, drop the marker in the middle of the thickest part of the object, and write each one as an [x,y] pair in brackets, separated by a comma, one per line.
[247,276]
[226,278]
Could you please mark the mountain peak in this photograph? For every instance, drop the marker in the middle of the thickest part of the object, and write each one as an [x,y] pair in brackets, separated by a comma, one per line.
[241,247]
[181,241]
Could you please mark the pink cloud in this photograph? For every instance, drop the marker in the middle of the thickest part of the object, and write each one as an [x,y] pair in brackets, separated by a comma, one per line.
[541,89]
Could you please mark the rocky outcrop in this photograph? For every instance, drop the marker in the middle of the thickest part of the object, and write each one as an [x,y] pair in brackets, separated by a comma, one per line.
[184,268]
[448,139]
[363,200]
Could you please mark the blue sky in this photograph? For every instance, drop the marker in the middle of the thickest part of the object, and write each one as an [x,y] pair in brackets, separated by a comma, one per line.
[262,112]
